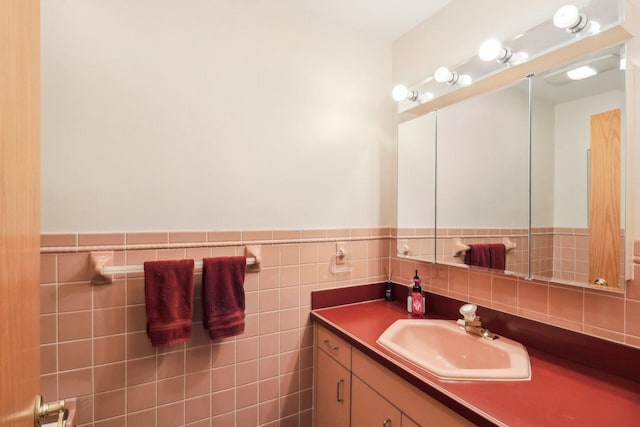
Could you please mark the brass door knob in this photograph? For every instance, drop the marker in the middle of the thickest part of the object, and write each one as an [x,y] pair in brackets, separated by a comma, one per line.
[43,410]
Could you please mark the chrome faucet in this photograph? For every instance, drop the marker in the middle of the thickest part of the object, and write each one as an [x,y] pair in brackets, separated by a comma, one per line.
[471,323]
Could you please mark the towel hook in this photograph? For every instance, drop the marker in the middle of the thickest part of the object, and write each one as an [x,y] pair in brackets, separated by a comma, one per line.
[340,260]
[403,250]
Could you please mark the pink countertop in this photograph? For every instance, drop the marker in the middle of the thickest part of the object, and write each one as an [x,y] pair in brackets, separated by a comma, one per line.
[560,392]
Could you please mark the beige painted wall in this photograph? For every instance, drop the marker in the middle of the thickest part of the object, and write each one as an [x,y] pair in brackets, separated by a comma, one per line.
[219,115]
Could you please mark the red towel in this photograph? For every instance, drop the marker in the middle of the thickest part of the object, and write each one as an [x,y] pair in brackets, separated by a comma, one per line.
[498,254]
[488,255]
[478,255]
[168,291]
[223,296]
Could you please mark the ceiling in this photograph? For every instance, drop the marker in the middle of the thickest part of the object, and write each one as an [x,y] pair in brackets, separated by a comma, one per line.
[386,19]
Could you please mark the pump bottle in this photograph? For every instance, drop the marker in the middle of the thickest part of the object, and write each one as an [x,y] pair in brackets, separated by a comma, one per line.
[415,300]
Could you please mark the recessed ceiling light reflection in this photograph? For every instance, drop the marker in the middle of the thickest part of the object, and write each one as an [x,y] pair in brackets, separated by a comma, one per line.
[581,73]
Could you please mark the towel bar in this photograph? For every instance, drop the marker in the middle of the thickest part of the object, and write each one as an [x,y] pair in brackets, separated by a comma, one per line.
[119,269]
[103,274]
[460,248]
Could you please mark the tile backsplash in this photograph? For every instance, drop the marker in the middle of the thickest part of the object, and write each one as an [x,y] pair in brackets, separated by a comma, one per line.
[606,314]
[94,345]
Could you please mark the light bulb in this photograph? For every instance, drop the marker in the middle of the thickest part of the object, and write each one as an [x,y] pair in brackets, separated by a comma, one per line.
[569,18]
[489,50]
[566,17]
[443,75]
[399,93]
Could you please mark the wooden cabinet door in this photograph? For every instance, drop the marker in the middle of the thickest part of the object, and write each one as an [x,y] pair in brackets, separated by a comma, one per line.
[413,403]
[19,210]
[369,409]
[333,392]
[408,422]
[605,234]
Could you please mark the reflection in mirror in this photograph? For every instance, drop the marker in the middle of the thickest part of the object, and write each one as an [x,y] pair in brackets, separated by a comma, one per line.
[483,181]
[416,187]
[577,200]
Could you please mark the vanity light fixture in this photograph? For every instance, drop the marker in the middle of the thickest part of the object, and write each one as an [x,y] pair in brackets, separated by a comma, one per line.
[569,18]
[424,97]
[464,80]
[575,21]
[401,93]
[444,75]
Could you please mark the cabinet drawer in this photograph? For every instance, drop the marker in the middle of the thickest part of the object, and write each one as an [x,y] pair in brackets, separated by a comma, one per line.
[334,346]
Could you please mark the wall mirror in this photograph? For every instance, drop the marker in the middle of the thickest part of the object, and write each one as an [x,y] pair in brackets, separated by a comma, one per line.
[536,166]
[416,187]
[483,179]
[578,160]
[480,193]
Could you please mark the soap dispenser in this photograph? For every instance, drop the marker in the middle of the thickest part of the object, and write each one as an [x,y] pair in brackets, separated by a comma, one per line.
[415,301]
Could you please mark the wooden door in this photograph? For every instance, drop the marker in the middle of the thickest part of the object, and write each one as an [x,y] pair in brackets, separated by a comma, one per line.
[604,202]
[333,392]
[19,210]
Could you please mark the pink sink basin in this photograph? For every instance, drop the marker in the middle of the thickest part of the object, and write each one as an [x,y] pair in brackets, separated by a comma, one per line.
[448,352]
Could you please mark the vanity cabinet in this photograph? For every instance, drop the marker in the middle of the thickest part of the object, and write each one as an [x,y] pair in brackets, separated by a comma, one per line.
[353,390]
[417,408]
[333,380]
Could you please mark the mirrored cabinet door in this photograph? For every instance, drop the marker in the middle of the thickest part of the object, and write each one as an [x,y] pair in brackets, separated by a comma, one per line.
[483,180]
[578,163]
[416,188]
